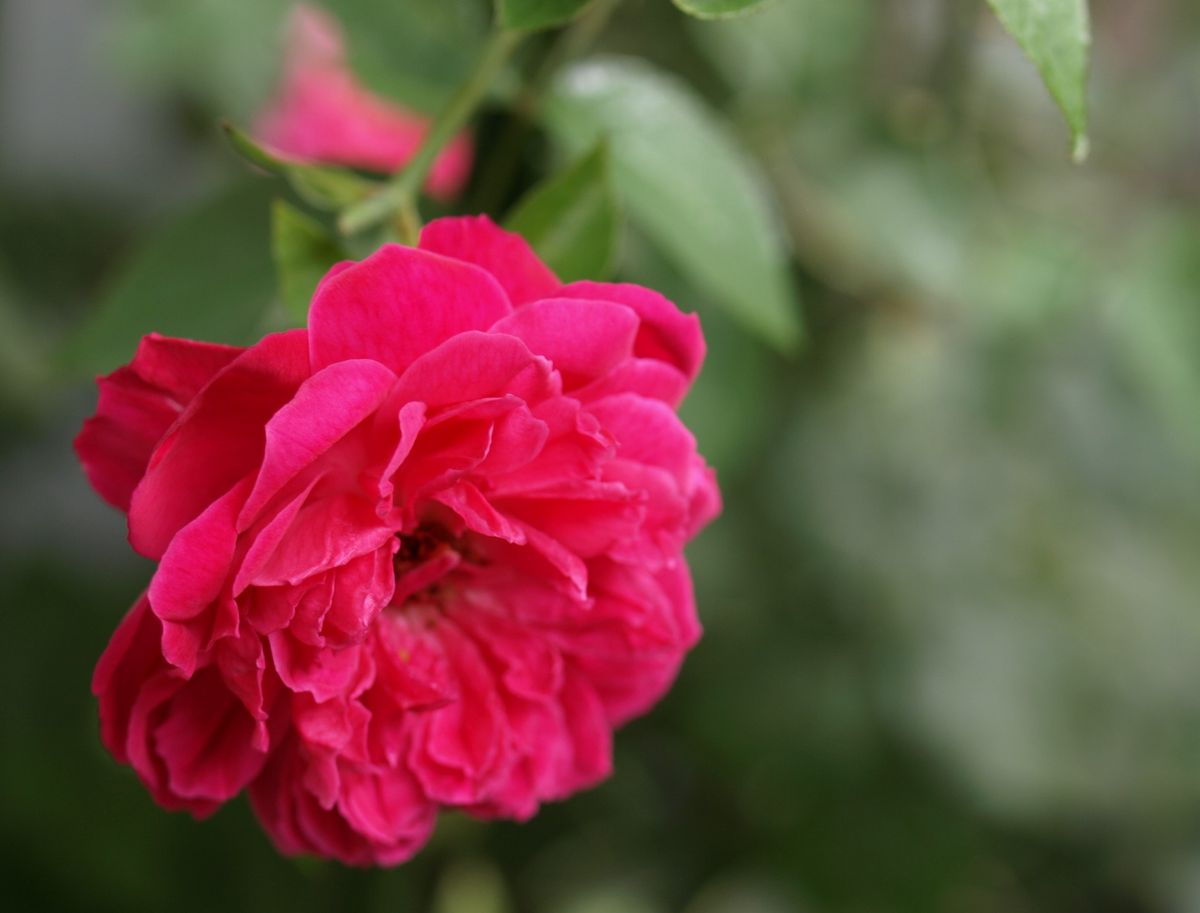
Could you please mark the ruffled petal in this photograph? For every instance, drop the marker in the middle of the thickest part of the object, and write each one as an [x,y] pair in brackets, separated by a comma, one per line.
[216,441]
[138,403]
[324,410]
[584,339]
[666,334]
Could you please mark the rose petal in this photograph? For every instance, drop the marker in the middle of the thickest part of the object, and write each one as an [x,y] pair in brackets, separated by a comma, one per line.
[666,333]
[216,441]
[325,408]
[138,403]
[584,339]
[398,304]
[504,254]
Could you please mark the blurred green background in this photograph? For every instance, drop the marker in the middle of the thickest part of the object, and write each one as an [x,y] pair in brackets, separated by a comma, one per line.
[952,648]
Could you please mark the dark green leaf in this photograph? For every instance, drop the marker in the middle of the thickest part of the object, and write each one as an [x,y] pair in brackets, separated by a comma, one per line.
[717,9]
[537,14]
[571,218]
[303,252]
[687,185]
[1057,37]
[207,275]
[321,186]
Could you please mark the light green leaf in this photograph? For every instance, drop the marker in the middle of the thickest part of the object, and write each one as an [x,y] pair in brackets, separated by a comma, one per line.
[717,9]
[537,14]
[686,183]
[321,186]
[207,275]
[303,251]
[1057,37]
[571,218]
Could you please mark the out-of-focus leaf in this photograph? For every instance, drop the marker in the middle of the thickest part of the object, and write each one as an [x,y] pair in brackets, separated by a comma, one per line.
[1152,306]
[571,218]
[537,14]
[794,49]
[303,252]
[225,55]
[716,9]
[1080,507]
[686,183]
[321,186]
[1056,36]
[207,275]
[22,353]
[736,380]
[415,52]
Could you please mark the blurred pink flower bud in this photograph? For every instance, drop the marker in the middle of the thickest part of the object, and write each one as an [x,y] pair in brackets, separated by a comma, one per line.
[322,113]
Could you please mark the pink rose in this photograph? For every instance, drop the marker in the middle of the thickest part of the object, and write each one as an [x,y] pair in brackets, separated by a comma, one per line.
[323,114]
[425,553]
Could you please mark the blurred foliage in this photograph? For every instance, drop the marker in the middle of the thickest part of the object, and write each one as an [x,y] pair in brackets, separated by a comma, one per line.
[951,642]
[303,251]
[205,276]
[537,14]
[570,219]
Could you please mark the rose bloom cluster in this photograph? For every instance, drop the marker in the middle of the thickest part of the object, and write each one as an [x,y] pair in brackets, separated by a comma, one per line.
[425,553]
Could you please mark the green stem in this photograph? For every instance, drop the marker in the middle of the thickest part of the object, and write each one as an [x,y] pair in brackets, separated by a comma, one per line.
[408,221]
[399,194]
[573,41]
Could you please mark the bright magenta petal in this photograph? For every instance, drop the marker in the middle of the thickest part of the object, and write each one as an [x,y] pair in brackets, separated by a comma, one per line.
[667,333]
[216,441]
[195,566]
[206,742]
[584,339]
[326,407]
[138,403]
[398,304]
[507,256]
[646,377]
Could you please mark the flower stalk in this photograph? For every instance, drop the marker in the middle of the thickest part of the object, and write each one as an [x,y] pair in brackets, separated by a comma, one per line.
[398,197]
[574,40]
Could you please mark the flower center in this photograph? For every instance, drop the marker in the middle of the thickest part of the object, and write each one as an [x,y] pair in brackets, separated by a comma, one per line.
[426,555]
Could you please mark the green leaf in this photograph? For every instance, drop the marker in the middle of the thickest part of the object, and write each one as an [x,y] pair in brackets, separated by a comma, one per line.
[571,218]
[687,184]
[717,9]
[415,52]
[321,186]
[1057,37]
[537,14]
[303,252]
[207,275]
